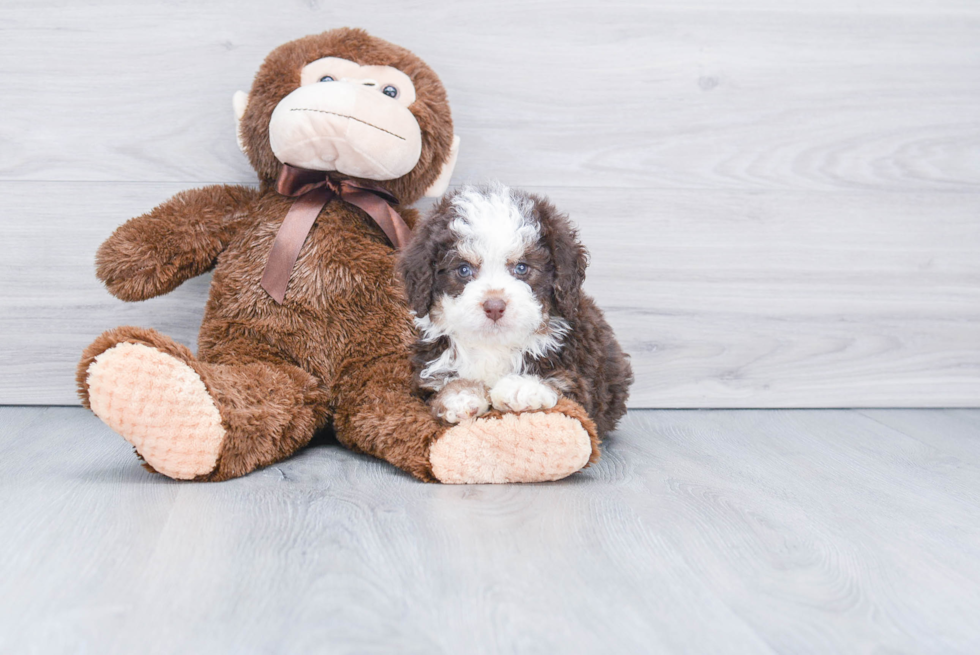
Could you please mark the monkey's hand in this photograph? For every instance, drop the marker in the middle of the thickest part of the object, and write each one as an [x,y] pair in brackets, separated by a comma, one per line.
[154,253]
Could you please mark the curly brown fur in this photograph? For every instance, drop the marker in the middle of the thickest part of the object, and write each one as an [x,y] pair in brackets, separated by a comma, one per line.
[588,366]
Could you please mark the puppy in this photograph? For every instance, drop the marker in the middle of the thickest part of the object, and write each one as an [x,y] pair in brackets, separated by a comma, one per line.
[494,277]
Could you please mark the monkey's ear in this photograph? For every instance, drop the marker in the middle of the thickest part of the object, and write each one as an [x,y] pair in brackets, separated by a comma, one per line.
[439,187]
[239,102]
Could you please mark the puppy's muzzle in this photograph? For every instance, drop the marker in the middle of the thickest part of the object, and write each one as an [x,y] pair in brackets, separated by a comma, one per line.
[494,309]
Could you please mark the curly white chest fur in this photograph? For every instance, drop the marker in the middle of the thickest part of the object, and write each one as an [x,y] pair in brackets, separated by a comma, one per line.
[481,360]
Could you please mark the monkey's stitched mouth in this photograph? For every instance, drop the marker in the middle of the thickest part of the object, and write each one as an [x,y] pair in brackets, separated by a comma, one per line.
[353,118]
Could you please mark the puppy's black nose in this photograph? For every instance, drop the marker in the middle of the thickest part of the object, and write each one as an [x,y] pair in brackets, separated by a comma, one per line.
[494,309]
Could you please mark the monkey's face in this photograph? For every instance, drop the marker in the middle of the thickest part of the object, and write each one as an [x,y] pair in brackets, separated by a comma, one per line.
[348,118]
[349,102]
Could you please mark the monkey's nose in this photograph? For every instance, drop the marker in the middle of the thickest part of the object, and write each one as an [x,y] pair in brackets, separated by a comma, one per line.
[494,309]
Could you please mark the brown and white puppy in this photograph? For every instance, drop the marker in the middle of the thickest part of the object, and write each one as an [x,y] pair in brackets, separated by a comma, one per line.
[494,276]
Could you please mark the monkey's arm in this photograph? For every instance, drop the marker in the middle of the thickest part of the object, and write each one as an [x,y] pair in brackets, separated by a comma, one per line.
[154,253]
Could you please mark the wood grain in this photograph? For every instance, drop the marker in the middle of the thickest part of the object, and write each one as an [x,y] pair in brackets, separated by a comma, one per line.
[781,199]
[759,95]
[722,298]
[713,531]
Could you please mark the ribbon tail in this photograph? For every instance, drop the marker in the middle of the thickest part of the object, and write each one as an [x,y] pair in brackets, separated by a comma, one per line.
[289,240]
[389,220]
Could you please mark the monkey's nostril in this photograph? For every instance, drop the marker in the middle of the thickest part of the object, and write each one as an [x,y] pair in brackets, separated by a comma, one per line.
[494,309]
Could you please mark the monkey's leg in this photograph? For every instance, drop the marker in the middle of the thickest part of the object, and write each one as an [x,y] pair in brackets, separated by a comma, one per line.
[192,419]
[377,414]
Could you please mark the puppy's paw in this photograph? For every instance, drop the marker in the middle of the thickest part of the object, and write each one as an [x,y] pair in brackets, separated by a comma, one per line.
[518,393]
[460,400]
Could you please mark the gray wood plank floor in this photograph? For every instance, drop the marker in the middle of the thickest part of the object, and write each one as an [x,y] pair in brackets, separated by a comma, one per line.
[790,531]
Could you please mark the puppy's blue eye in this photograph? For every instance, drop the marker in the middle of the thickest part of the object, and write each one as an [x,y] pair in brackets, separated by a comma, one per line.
[390,91]
[326,78]
[522,269]
[464,270]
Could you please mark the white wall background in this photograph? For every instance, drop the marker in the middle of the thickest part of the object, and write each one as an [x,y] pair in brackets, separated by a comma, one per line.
[782,199]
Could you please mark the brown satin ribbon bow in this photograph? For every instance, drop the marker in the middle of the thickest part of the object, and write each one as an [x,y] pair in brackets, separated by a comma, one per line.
[313,190]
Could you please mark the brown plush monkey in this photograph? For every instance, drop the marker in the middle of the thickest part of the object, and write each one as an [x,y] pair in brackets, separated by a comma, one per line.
[334,348]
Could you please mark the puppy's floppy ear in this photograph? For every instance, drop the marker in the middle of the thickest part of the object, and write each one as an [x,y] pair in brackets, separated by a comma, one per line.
[418,273]
[569,257]
[419,261]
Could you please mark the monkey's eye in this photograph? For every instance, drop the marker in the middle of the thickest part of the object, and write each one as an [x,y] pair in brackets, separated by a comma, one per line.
[522,269]
[464,271]
[326,78]
[390,91]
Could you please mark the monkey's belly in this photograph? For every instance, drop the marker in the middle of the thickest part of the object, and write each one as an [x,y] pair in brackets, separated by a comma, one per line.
[343,275]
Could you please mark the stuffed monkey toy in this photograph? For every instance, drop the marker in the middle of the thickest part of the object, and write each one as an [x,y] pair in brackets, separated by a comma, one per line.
[306,326]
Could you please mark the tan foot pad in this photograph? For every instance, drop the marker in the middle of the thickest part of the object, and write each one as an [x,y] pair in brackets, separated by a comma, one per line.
[160,405]
[528,447]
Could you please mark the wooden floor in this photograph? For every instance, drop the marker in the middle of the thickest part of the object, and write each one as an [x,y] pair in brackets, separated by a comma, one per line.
[790,531]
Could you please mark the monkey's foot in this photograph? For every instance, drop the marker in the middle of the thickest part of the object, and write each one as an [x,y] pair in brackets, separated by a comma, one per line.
[160,405]
[526,447]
